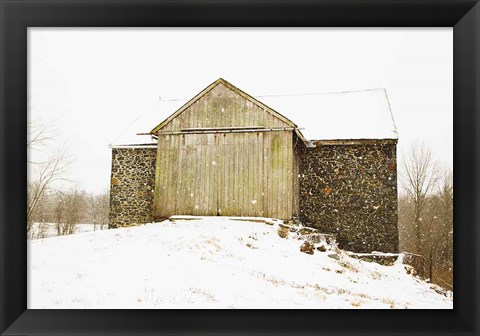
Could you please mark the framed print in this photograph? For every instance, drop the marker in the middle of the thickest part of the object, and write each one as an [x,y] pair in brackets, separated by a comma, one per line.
[190,160]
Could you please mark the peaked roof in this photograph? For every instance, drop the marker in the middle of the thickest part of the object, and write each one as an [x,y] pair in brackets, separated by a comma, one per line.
[234,89]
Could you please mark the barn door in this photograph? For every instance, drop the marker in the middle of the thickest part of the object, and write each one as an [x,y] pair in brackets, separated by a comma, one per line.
[240,174]
[215,174]
[222,175]
[202,167]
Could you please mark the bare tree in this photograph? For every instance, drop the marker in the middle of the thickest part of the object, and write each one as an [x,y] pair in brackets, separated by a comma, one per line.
[425,216]
[69,211]
[45,171]
[443,256]
[99,209]
[446,196]
[435,252]
[38,134]
[407,243]
[419,179]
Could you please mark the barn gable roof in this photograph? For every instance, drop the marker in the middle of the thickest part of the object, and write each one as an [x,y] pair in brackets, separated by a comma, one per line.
[243,94]
[364,114]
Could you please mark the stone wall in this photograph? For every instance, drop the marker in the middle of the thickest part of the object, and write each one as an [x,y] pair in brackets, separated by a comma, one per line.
[132,185]
[350,188]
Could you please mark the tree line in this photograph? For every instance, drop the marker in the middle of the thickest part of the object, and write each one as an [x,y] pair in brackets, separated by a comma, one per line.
[425,215]
[63,210]
[49,199]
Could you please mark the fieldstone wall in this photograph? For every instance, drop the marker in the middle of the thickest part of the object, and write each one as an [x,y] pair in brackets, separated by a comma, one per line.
[350,188]
[132,185]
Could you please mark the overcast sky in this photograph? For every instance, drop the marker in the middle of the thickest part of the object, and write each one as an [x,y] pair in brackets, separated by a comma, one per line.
[94,83]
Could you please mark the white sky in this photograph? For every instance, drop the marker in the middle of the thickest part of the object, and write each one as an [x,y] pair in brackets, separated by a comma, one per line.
[94,83]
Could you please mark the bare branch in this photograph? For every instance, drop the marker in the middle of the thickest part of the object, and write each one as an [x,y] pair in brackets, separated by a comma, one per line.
[46,172]
[38,133]
[419,179]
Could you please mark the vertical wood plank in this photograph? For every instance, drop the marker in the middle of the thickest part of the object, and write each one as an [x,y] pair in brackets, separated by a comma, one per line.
[165,199]
[247,155]
[261,174]
[251,166]
[203,177]
[259,180]
[266,164]
[159,189]
[169,197]
[177,177]
[254,170]
[207,178]
[236,177]
[274,172]
[239,173]
[288,174]
[220,173]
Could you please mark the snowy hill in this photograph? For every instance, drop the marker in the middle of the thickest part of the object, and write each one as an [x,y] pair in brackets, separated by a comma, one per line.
[211,263]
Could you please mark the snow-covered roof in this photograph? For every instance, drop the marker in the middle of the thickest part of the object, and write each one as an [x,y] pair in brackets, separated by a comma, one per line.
[331,116]
[348,115]
[143,123]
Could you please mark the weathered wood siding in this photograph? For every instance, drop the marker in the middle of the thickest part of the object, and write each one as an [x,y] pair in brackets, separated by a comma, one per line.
[298,148]
[227,174]
[278,169]
[222,107]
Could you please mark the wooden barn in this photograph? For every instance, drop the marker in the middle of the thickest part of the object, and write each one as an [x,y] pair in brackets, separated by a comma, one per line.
[224,153]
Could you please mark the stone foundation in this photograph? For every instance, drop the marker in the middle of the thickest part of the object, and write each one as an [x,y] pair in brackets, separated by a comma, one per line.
[349,188]
[132,185]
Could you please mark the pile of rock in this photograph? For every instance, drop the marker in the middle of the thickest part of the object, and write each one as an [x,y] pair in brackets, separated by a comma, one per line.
[386,259]
[311,237]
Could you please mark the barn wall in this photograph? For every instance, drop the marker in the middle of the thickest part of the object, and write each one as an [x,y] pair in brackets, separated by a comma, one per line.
[351,190]
[277,175]
[298,148]
[222,107]
[132,185]
[228,174]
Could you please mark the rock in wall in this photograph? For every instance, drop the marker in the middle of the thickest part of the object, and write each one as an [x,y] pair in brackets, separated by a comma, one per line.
[350,188]
[132,185]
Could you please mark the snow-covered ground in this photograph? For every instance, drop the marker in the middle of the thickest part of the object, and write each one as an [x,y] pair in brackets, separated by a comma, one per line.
[47,230]
[211,263]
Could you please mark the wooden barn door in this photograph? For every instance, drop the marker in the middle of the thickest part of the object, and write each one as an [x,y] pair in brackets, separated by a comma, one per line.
[215,174]
[222,175]
[199,170]
[239,181]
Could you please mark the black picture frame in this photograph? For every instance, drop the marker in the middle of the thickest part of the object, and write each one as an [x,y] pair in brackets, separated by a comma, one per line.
[17,15]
